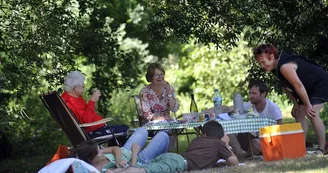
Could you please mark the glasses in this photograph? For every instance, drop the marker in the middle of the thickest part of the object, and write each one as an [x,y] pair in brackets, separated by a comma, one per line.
[159,75]
[82,86]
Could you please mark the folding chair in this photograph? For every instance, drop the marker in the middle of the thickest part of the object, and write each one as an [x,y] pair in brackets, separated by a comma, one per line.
[141,120]
[70,125]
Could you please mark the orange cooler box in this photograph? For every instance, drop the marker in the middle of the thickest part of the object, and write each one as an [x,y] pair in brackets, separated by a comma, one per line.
[282,141]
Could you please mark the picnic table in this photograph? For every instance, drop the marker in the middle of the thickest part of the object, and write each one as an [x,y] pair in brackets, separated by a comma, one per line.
[240,125]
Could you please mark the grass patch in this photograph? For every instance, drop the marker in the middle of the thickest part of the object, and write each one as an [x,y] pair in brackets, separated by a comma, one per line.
[306,164]
[317,164]
[26,164]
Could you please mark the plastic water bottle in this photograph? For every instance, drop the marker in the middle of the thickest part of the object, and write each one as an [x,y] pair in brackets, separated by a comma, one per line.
[238,103]
[217,100]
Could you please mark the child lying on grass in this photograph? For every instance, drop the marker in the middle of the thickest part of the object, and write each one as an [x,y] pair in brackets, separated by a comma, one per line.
[115,157]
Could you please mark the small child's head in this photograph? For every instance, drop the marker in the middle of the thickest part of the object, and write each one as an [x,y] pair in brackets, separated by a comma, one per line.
[213,129]
[86,151]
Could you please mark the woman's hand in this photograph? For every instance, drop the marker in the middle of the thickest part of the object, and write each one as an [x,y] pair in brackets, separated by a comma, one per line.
[309,111]
[168,89]
[95,96]
[120,163]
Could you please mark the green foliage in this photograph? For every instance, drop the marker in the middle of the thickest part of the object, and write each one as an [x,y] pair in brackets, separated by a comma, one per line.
[40,41]
[208,67]
[294,25]
[123,107]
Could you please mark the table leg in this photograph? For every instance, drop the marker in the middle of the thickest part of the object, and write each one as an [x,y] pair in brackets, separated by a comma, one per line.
[198,131]
[187,137]
[177,138]
[250,145]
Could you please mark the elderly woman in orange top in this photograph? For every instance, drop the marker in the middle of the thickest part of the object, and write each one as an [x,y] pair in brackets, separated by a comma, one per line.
[83,111]
[158,98]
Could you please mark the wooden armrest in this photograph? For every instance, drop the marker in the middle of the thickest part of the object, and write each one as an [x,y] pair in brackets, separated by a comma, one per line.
[96,122]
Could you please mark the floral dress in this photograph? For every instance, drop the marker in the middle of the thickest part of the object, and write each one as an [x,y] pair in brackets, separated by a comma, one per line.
[156,105]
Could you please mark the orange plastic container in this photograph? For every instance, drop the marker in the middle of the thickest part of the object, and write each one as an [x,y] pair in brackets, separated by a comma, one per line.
[282,141]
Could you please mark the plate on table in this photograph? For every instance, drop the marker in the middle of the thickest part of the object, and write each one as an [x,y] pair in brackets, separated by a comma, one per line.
[238,116]
[191,117]
[158,122]
[163,122]
[174,121]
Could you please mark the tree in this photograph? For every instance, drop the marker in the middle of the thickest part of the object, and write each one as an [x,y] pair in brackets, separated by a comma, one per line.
[299,26]
[40,41]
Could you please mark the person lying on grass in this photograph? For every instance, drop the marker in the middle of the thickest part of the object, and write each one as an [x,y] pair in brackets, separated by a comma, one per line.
[114,157]
[203,153]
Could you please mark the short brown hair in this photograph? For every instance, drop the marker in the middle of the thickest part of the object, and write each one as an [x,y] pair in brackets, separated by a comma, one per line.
[262,86]
[86,151]
[213,128]
[151,70]
[266,48]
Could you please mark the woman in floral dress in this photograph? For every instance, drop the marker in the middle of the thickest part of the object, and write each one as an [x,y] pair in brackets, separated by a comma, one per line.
[158,98]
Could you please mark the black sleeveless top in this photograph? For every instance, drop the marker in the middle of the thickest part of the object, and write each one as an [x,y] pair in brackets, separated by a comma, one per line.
[312,75]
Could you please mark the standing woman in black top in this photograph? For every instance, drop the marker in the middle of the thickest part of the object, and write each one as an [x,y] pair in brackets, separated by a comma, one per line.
[305,82]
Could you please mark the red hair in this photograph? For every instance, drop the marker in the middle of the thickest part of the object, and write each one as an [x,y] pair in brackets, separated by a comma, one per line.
[266,48]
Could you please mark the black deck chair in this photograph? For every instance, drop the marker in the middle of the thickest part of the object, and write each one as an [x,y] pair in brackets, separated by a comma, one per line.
[69,123]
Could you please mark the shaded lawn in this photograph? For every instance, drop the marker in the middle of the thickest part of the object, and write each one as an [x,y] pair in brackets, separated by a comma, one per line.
[316,164]
[307,164]
[26,164]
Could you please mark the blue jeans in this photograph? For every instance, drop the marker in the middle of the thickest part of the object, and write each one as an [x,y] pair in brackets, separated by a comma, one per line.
[158,145]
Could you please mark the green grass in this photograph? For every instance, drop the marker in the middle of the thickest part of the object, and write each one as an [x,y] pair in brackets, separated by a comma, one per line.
[315,164]
[25,164]
[306,164]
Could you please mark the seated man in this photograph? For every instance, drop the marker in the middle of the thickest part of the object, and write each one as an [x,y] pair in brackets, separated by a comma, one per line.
[85,112]
[258,91]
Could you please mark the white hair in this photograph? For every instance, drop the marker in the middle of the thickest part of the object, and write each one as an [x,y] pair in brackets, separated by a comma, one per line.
[74,78]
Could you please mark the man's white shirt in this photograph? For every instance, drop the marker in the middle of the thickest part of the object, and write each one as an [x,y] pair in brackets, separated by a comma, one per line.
[271,110]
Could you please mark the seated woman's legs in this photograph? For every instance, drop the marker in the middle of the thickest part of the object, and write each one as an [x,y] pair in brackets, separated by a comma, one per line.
[256,145]
[103,130]
[235,145]
[158,145]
